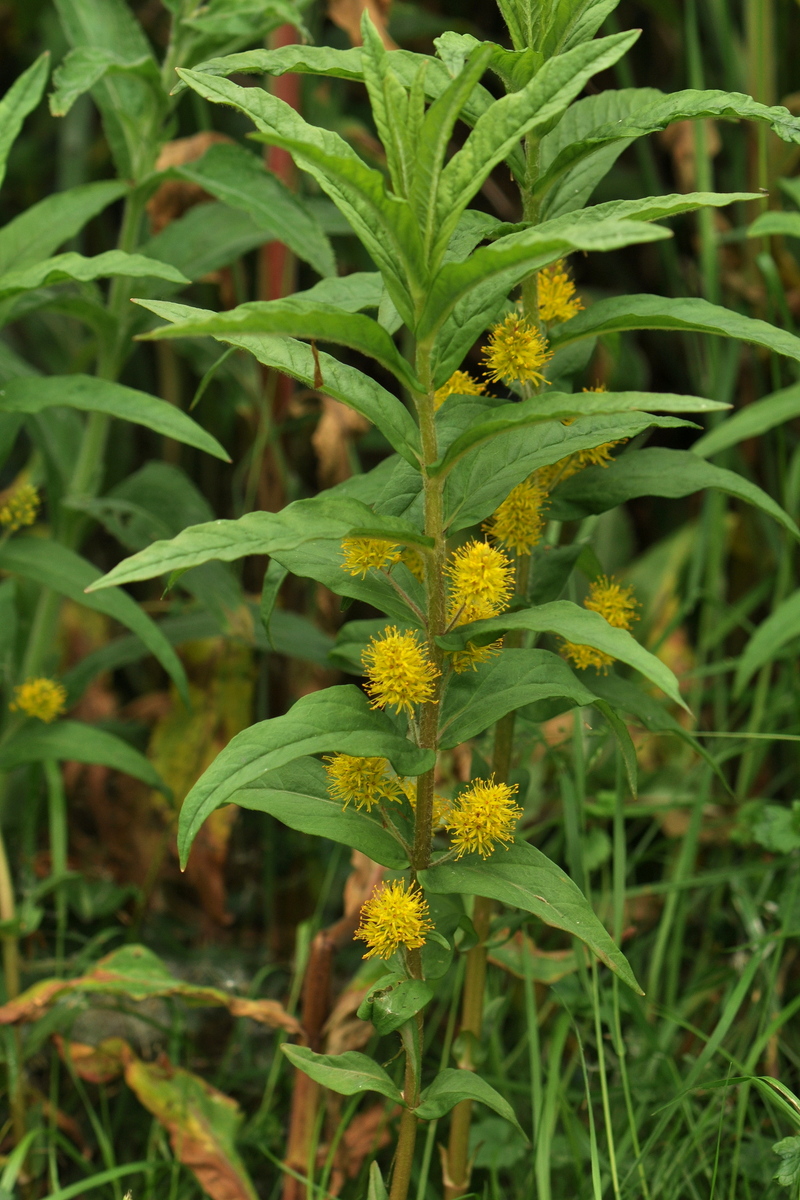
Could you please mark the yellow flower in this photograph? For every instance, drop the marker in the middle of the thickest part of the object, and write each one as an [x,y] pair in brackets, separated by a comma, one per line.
[362,555]
[556,291]
[481,581]
[613,601]
[516,351]
[394,916]
[618,605]
[441,805]
[596,456]
[21,508]
[460,383]
[363,781]
[412,559]
[482,816]
[399,672]
[519,521]
[42,698]
[597,387]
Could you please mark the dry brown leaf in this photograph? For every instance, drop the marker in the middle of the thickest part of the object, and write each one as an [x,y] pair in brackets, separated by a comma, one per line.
[176,196]
[347,15]
[367,1133]
[679,139]
[338,425]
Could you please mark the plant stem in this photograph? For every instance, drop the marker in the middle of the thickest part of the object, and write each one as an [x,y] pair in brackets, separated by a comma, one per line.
[11,976]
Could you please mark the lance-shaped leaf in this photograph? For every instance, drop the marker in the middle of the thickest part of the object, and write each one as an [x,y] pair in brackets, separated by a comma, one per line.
[33,394]
[656,472]
[492,271]
[343,64]
[348,1074]
[41,229]
[535,108]
[55,566]
[648,208]
[70,266]
[239,178]
[524,878]
[297,795]
[775,224]
[336,720]
[476,699]
[560,406]
[690,314]
[72,741]
[339,380]
[781,627]
[85,66]
[484,476]
[656,115]
[751,421]
[451,1086]
[300,318]
[305,537]
[578,625]
[384,223]
[20,99]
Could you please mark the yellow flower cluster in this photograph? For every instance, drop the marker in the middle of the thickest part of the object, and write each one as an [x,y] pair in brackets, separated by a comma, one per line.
[516,351]
[618,605]
[42,698]
[394,916]
[556,294]
[519,521]
[441,805]
[481,580]
[363,782]
[482,817]
[362,555]
[399,673]
[21,508]
[460,383]
[596,456]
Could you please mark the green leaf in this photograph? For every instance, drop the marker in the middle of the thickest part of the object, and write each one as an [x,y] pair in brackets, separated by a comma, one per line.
[206,238]
[648,208]
[239,178]
[788,1151]
[655,472]
[533,109]
[274,577]
[660,312]
[451,1086]
[560,406]
[578,625]
[45,226]
[54,566]
[751,421]
[33,394]
[775,224]
[297,795]
[20,99]
[390,1004]
[336,720]
[305,537]
[625,743]
[524,878]
[476,699]
[626,696]
[349,1074]
[67,267]
[85,66]
[471,288]
[301,318]
[485,476]
[341,381]
[72,741]
[384,223]
[655,114]
[780,627]
[377,1188]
